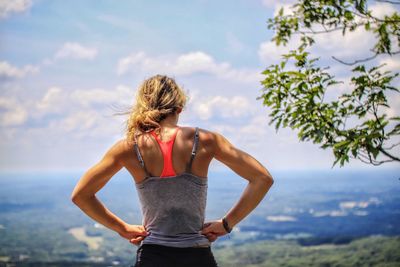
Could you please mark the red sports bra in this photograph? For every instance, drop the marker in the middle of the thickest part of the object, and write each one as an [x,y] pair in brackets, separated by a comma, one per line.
[166,149]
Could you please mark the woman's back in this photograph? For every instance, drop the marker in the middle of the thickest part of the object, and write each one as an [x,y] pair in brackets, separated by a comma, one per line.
[153,157]
[173,203]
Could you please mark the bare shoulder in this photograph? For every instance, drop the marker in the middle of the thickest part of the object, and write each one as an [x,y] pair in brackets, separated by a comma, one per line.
[208,139]
[205,135]
[220,143]
[120,149]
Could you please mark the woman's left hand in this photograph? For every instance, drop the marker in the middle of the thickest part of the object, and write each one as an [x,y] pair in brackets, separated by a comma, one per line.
[214,229]
[134,233]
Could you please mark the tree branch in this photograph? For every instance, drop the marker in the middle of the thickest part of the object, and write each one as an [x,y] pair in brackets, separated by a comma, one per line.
[362,60]
[374,162]
[311,31]
[392,146]
[369,160]
[388,154]
[388,1]
[375,110]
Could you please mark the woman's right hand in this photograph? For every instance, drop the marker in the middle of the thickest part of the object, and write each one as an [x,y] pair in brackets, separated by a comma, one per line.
[134,233]
[214,229]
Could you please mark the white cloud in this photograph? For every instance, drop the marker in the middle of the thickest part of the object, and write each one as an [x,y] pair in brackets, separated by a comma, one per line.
[53,101]
[8,7]
[185,64]
[83,120]
[57,100]
[126,63]
[352,45]
[277,5]
[8,71]
[273,3]
[381,9]
[394,103]
[287,8]
[88,125]
[198,62]
[122,94]
[392,63]
[81,112]
[76,51]
[14,113]
[270,53]
[255,128]
[226,107]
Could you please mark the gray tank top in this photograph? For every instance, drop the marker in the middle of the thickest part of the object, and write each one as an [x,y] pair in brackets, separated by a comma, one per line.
[173,207]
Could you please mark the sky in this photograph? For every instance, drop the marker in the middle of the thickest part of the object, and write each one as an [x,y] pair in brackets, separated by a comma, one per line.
[66,68]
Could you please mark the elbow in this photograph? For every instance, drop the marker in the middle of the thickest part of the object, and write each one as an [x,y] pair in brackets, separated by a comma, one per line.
[75,195]
[75,198]
[78,195]
[80,198]
[267,180]
[271,180]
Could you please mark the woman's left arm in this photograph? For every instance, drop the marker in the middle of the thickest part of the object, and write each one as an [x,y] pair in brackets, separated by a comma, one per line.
[84,193]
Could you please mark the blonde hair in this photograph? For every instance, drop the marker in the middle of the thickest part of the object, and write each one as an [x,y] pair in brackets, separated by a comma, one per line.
[156,98]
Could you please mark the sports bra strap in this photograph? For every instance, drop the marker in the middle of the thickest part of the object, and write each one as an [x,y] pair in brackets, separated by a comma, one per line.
[194,149]
[188,167]
[139,156]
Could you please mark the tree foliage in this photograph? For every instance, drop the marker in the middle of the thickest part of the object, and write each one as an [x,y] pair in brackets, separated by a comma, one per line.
[355,124]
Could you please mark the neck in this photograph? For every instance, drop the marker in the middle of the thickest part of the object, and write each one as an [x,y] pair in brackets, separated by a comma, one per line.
[170,121]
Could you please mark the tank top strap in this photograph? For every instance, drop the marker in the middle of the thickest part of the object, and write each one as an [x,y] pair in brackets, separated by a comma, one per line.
[194,149]
[139,156]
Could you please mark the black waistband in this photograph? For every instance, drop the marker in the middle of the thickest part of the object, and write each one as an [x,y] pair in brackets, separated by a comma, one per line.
[169,248]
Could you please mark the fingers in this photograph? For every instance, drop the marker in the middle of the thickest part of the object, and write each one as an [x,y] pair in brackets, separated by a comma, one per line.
[206,224]
[207,228]
[139,236]
[143,229]
[136,240]
[211,237]
[205,231]
[208,231]
[144,233]
[140,230]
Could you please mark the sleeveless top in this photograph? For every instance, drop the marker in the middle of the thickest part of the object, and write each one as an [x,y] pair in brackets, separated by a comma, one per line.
[173,206]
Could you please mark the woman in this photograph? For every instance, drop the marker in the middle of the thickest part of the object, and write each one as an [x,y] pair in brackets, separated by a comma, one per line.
[169,165]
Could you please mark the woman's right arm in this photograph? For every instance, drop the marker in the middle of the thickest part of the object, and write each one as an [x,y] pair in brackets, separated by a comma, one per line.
[260,181]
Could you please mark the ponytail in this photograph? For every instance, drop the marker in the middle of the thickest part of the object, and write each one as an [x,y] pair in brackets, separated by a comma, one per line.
[156,98]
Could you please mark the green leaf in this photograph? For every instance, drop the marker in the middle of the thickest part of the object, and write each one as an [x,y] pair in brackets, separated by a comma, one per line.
[341,144]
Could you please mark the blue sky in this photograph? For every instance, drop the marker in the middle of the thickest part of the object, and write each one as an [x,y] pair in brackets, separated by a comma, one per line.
[64,65]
